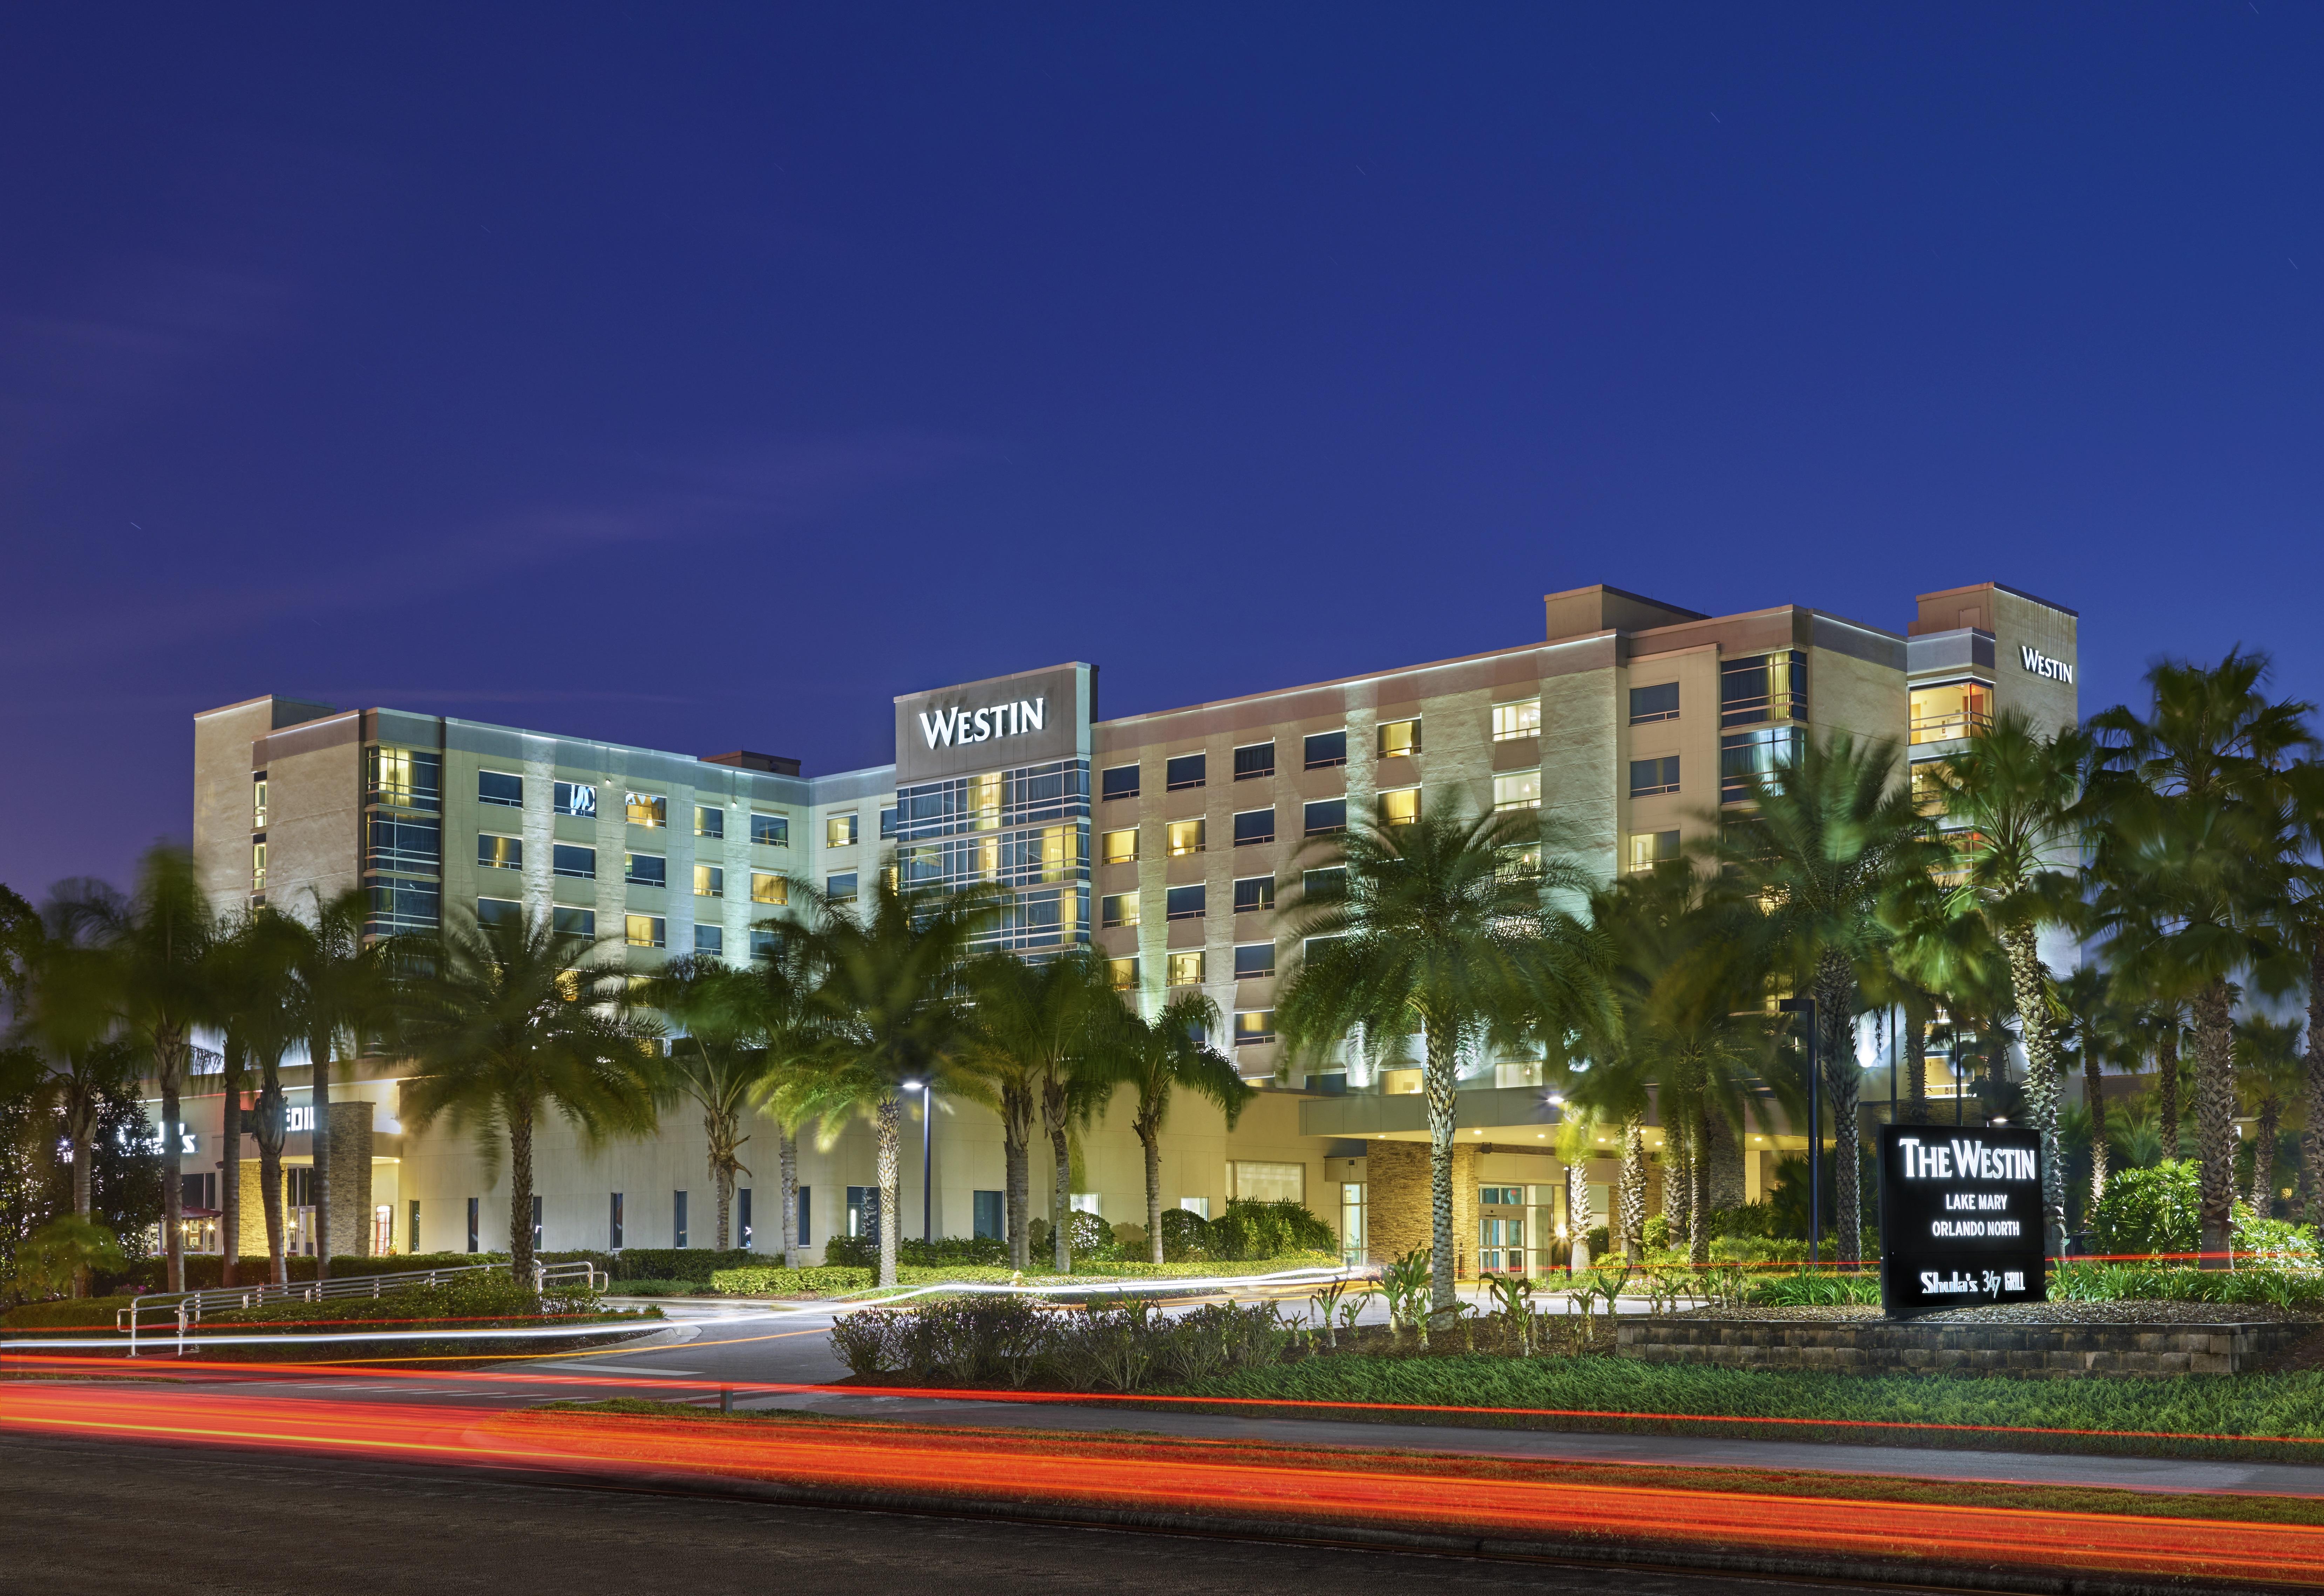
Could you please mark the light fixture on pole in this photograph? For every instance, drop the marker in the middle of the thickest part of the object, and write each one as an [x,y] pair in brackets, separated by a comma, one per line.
[927,1118]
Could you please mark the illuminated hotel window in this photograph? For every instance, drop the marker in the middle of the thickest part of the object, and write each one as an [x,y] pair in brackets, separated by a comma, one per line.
[1520,789]
[1322,749]
[1929,783]
[1188,769]
[1254,761]
[888,822]
[258,865]
[646,808]
[766,888]
[1649,778]
[408,777]
[258,802]
[1398,737]
[1764,687]
[571,859]
[1950,710]
[1520,719]
[500,853]
[498,787]
[1325,816]
[1254,961]
[1657,703]
[839,831]
[1399,807]
[1254,825]
[1120,782]
[576,799]
[1056,852]
[1254,894]
[1183,836]
[709,820]
[573,922]
[1650,848]
[1118,908]
[1254,1026]
[644,930]
[1186,969]
[1122,972]
[709,882]
[1121,847]
[771,831]
[1744,755]
[1183,903]
[645,869]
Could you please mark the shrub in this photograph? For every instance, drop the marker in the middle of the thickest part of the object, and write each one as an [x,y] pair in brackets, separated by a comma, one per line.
[1248,1230]
[63,1312]
[1185,1236]
[2151,1211]
[1087,1236]
[49,1259]
[1813,1289]
[774,1280]
[1744,1221]
[1657,1233]
[1598,1239]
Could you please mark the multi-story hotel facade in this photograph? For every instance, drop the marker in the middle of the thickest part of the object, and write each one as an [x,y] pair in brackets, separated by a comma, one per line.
[1160,839]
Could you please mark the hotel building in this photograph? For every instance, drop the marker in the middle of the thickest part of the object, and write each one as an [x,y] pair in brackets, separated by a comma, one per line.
[1157,838]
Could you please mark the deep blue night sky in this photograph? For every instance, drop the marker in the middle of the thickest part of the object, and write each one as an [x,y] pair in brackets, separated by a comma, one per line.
[703,379]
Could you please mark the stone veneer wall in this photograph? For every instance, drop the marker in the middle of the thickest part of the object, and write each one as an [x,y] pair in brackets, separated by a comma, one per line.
[1884,1346]
[1396,1210]
[350,1132]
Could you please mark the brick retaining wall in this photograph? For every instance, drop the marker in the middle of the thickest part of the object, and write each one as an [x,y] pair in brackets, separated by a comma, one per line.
[1885,1346]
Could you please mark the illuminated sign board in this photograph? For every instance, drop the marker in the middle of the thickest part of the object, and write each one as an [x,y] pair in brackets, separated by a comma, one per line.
[1030,718]
[1960,1218]
[2042,665]
[944,727]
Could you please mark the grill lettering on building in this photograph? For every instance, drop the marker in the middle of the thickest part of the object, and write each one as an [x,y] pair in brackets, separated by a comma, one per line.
[2042,665]
[953,728]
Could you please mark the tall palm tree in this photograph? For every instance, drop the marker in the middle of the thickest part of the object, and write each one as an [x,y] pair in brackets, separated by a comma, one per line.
[1159,1057]
[2097,1031]
[2304,904]
[888,1012]
[340,990]
[1453,922]
[2270,1074]
[1832,844]
[510,1021]
[2193,864]
[718,1059]
[264,1015]
[2011,801]
[783,1020]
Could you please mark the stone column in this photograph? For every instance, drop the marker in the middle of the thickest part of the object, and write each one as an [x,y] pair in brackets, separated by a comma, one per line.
[350,1133]
[1396,1207]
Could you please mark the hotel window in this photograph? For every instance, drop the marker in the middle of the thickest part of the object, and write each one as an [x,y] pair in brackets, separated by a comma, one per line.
[499,911]
[1650,848]
[1254,961]
[1657,703]
[573,922]
[839,831]
[1520,719]
[1400,805]
[771,831]
[1188,769]
[648,809]
[408,777]
[644,930]
[645,869]
[1930,786]
[1315,885]
[709,939]
[1322,749]
[888,823]
[408,843]
[576,799]
[1183,903]
[1254,894]
[1764,687]
[1325,816]
[571,859]
[258,865]
[1118,908]
[1254,825]
[1120,782]
[769,888]
[1649,778]
[1186,969]
[500,853]
[709,882]
[764,944]
[1398,737]
[1254,1182]
[1744,757]
[1122,972]
[1519,789]
[1181,837]
[1253,1026]
[1254,761]
[258,803]
[709,820]
[1120,847]
[497,787]
[1950,710]
[841,887]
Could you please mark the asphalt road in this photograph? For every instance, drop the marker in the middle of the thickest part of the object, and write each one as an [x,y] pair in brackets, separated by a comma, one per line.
[122,1519]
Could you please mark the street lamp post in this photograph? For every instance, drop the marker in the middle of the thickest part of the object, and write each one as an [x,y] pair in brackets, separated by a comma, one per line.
[1815,1131]
[927,1088]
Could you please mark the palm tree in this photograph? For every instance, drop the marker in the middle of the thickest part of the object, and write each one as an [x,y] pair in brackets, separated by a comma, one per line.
[2304,786]
[1034,1035]
[1159,1057]
[2195,871]
[340,991]
[2098,1032]
[783,1020]
[886,1011]
[506,1022]
[718,1059]
[2010,803]
[263,1013]
[2270,1074]
[1448,922]
[1833,844]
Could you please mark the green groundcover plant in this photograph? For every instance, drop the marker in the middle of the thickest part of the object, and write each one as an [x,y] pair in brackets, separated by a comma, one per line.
[774,1280]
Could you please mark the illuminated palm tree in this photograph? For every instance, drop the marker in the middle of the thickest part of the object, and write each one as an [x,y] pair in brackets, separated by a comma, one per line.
[718,1059]
[2270,1075]
[340,989]
[1158,1057]
[1451,923]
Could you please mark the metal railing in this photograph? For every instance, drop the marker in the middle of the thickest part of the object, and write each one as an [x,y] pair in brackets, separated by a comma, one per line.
[187,1308]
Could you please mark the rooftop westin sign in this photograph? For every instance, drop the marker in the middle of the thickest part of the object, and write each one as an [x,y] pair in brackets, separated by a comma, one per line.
[1960,1218]
[2040,664]
[955,727]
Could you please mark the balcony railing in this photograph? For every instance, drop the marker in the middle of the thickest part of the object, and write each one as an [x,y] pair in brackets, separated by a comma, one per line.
[1946,728]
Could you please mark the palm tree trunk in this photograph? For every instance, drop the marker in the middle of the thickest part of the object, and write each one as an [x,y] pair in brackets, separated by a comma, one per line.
[2312,1135]
[520,1134]
[1151,1140]
[2029,987]
[319,1070]
[1698,1190]
[2263,1192]
[1842,1086]
[1443,1043]
[2094,1089]
[169,1068]
[269,1175]
[1630,1201]
[1017,1162]
[718,1131]
[889,1142]
[786,1179]
[84,1141]
[2166,1085]
[1578,1219]
[1061,1207]
[2215,1120]
[1916,1065]
[230,1171]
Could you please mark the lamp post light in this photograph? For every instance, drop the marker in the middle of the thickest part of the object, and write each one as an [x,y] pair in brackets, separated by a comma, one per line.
[927,1118]
[1815,1133]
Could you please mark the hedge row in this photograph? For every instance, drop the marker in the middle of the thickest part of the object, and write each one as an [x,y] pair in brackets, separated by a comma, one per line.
[774,1280]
